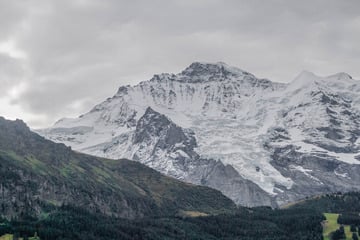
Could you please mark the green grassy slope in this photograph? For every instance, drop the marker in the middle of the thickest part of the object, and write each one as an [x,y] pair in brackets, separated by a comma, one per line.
[11,237]
[6,237]
[331,225]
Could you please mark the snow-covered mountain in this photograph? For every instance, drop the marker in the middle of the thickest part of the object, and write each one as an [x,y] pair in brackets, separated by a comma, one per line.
[259,142]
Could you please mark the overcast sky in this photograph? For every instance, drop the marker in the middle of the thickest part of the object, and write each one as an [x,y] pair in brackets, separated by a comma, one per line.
[60,58]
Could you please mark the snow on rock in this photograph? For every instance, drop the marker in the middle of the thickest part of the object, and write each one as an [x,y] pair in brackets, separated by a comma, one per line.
[236,118]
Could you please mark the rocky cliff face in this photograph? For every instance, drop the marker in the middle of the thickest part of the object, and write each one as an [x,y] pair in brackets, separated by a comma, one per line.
[161,144]
[257,141]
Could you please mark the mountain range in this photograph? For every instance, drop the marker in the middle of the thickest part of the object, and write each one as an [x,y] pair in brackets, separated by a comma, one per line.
[257,141]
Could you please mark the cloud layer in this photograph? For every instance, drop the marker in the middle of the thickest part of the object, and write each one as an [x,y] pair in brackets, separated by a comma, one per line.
[59,58]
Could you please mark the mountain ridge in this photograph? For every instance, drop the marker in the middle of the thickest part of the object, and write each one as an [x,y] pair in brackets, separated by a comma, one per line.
[247,124]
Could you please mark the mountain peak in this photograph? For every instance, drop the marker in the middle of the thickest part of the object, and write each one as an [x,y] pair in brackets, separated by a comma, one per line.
[206,65]
[197,68]
[201,71]
[305,75]
[340,76]
[304,79]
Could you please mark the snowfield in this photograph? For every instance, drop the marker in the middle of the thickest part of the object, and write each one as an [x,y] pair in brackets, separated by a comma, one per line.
[236,118]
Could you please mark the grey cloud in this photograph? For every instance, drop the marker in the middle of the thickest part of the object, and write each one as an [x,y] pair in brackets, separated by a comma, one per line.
[79,52]
[11,15]
[11,73]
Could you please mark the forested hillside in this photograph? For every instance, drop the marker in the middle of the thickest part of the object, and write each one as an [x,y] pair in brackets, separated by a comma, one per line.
[249,224]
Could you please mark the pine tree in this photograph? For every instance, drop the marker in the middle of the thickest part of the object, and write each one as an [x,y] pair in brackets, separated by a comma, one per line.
[16,236]
[355,237]
[338,234]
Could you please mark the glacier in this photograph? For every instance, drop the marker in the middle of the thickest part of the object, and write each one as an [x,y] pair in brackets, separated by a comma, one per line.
[279,142]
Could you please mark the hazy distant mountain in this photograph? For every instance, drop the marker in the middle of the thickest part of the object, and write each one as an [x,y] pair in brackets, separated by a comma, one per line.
[257,141]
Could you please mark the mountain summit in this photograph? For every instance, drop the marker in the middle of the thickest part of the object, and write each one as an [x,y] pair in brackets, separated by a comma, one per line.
[257,141]
[220,71]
